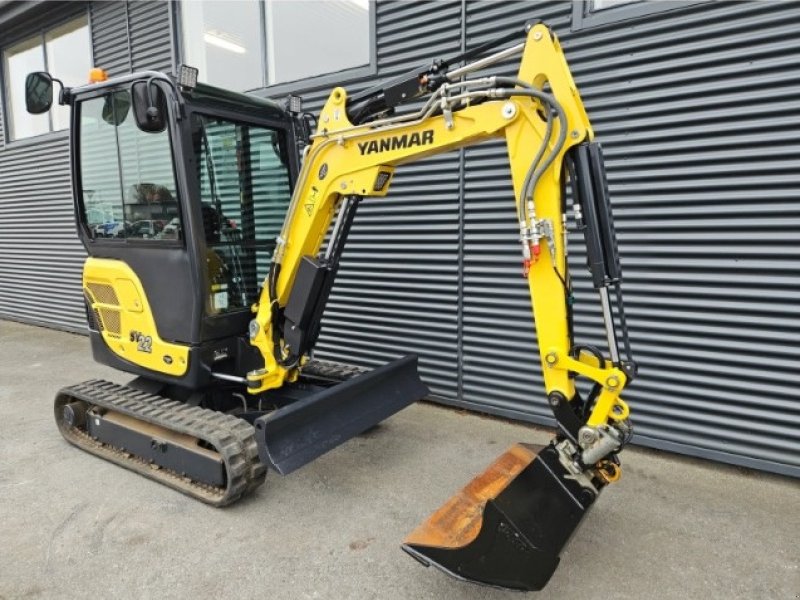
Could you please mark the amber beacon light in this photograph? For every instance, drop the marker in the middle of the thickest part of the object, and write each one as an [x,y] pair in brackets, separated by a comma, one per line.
[96,75]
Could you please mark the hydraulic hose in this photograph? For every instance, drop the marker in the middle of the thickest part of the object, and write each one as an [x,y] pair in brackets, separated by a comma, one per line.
[536,170]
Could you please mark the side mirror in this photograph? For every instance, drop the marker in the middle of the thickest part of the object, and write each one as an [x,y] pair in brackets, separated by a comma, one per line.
[149,106]
[38,92]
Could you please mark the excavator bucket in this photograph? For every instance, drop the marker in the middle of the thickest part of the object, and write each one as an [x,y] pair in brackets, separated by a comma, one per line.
[298,433]
[507,527]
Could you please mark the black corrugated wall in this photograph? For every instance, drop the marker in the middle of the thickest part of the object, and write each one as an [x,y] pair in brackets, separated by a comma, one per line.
[40,255]
[697,109]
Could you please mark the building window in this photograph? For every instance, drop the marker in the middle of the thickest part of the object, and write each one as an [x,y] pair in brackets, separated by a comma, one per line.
[65,52]
[288,24]
[269,42]
[224,44]
[604,4]
[592,13]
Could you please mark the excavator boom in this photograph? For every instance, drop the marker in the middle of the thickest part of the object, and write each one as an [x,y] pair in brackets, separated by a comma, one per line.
[508,526]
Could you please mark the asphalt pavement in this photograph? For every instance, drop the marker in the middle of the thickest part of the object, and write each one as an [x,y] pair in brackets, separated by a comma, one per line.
[74,526]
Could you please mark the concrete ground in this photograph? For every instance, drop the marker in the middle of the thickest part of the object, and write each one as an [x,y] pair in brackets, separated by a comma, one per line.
[74,526]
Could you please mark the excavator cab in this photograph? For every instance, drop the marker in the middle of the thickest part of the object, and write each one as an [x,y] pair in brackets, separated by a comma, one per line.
[187,185]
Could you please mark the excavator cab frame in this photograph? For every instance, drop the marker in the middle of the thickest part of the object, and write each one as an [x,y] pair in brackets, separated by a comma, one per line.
[198,250]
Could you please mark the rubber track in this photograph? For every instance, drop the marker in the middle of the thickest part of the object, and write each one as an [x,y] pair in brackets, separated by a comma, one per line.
[231,437]
[334,371]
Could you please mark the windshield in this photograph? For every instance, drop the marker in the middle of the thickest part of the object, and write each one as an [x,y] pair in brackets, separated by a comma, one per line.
[127,178]
[245,190]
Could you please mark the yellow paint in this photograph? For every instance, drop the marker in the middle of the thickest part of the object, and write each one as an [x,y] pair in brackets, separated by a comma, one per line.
[128,307]
[608,471]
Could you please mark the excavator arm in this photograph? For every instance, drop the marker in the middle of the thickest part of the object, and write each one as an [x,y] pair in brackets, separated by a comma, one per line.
[508,527]
[547,134]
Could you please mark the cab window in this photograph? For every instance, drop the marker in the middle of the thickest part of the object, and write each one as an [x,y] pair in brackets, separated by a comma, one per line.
[128,186]
[245,189]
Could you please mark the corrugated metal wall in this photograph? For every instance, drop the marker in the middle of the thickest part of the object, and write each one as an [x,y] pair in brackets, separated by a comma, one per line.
[697,110]
[397,290]
[40,255]
[698,113]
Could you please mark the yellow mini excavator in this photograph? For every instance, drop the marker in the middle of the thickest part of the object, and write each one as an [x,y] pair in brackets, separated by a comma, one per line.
[193,285]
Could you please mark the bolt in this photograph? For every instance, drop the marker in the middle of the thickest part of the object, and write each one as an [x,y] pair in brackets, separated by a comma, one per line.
[575,134]
[612,382]
[343,185]
[587,436]
[537,36]
[509,110]
[551,358]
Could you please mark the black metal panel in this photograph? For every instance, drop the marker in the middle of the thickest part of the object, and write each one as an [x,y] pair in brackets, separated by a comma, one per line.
[195,463]
[110,38]
[150,35]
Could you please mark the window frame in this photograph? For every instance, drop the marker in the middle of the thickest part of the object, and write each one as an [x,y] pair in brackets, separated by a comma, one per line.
[584,15]
[41,31]
[193,184]
[286,87]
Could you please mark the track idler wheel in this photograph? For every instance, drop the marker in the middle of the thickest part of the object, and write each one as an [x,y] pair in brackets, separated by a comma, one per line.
[74,414]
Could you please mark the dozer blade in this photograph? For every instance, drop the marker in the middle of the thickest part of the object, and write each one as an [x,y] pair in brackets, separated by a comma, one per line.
[507,527]
[295,435]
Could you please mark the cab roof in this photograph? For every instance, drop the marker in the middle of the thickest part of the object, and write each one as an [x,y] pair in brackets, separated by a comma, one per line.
[203,94]
[211,95]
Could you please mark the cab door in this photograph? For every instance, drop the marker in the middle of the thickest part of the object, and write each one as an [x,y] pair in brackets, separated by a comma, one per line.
[242,187]
[130,207]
